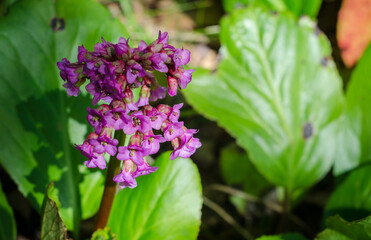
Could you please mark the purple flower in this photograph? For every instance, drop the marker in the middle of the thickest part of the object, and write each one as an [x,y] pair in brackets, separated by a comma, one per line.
[125,178]
[68,71]
[163,38]
[71,89]
[114,117]
[98,93]
[101,48]
[97,161]
[87,149]
[136,122]
[158,93]
[173,130]
[152,143]
[95,117]
[142,46]
[122,47]
[185,77]
[158,61]
[128,99]
[156,117]
[104,144]
[144,96]
[134,71]
[144,169]
[113,72]
[175,113]
[188,145]
[173,85]
[81,54]
[180,57]
[133,152]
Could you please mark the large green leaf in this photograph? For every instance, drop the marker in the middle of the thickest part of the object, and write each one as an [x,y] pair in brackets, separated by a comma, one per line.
[278,92]
[351,199]
[298,7]
[38,119]
[7,221]
[165,205]
[339,229]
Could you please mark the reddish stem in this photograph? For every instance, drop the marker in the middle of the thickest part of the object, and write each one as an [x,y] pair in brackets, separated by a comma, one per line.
[109,186]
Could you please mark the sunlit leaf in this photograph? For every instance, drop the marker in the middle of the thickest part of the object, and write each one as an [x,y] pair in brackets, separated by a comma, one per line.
[165,205]
[269,93]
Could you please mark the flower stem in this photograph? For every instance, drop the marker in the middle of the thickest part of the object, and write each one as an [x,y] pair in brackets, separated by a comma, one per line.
[109,186]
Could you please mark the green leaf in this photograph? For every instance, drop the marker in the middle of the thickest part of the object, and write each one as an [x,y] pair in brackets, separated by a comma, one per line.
[286,236]
[339,229]
[237,169]
[104,234]
[52,226]
[91,189]
[351,199]
[329,234]
[349,146]
[298,7]
[358,97]
[165,205]
[269,93]
[41,123]
[8,228]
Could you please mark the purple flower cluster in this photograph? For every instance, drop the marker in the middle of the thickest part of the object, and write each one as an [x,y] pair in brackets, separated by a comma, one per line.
[114,71]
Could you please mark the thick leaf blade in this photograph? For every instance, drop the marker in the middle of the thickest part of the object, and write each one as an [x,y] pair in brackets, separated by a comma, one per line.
[351,199]
[36,112]
[52,226]
[165,205]
[269,93]
[8,228]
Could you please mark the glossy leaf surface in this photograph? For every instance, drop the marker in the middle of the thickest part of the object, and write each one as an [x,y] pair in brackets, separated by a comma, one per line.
[269,91]
[165,205]
[40,121]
